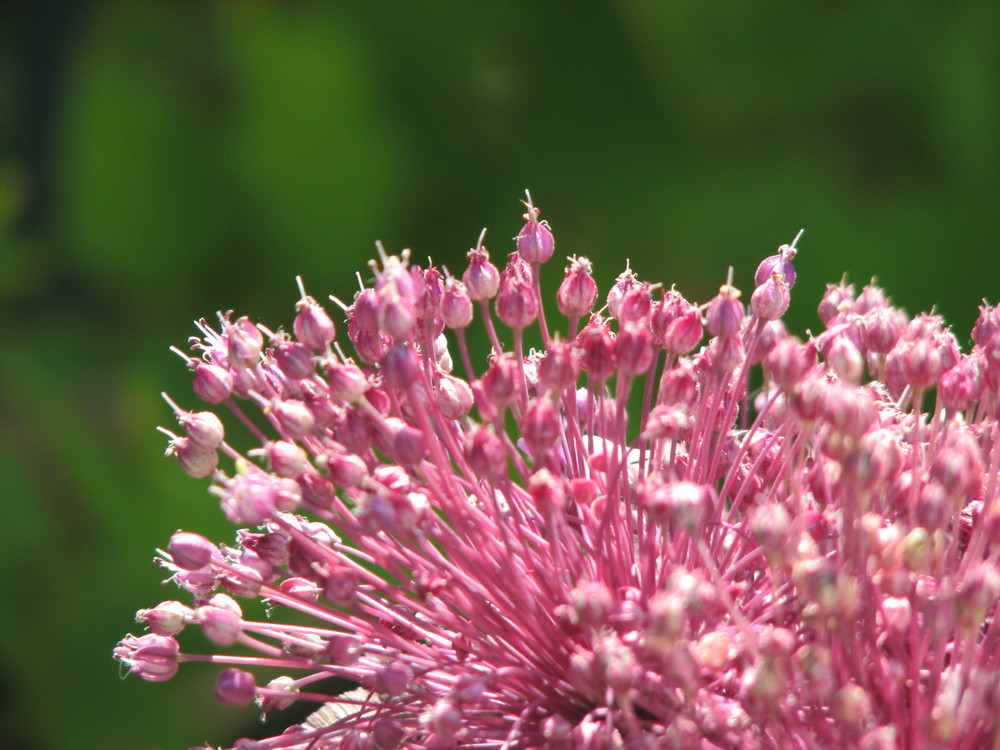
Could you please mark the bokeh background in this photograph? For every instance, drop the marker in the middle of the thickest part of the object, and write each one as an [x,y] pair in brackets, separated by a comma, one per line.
[160,161]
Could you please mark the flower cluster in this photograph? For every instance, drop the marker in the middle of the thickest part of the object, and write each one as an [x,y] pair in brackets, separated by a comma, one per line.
[671,526]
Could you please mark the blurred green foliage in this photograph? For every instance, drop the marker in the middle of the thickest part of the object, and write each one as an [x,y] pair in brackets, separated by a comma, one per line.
[163,160]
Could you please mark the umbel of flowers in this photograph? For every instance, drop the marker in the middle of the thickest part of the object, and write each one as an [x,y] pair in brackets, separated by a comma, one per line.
[671,526]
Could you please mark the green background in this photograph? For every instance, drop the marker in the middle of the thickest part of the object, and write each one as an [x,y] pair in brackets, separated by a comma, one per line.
[165,160]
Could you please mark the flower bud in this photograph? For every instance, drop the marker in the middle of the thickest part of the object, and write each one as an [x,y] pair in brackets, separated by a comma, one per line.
[312,325]
[781,263]
[152,657]
[770,299]
[559,368]
[453,397]
[294,359]
[725,312]
[578,291]
[456,305]
[235,687]
[535,242]
[190,551]
[212,383]
[243,343]
[166,618]
[481,278]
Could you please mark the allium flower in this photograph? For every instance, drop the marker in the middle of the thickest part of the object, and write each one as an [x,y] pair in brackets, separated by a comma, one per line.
[786,545]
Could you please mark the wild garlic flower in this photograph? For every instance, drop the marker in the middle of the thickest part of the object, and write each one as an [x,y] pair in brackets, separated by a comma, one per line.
[778,544]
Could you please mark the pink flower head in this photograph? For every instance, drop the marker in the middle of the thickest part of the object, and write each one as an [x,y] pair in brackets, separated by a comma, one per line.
[628,538]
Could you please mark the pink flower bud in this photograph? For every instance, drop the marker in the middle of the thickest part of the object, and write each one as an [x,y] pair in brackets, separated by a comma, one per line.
[152,657]
[535,242]
[203,428]
[781,263]
[837,298]
[634,348]
[243,343]
[393,679]
[597,351]
[486,454]
[453,397]
[166,618]
[547,492]
[540,426]
[400,367]
[300,588]
[481,278]
[340,586]
[212,383]
[725,312]
[190,551]
[294,359]
[636,305]
[396,314]
[286,459]
[770,299]
[221,625]
[235,687]
[684,332]
[559,369]
[625,282]
[312,325]
[456,305]
[363,314]
[578,291]
[293,417]
[503,383]
[195,460]
[516,304]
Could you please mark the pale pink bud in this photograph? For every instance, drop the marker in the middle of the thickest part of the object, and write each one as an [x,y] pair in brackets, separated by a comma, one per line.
[456,305]
[535,242]
[400,367]
[340,586]
[781,264]
[547,492]
[243,343]
[836,299]
[166,618]
[393,679]
[453,397]
[294,418]
[294,359]
[152,657]
[516,304]
[221,625]
[396,313]
[346,469]
[540,426]
[312,325]
[203,428]
[616,295]
[212,383]
[634,347]
[235,687]
[287,459]
[578,291]
[347,381]
[503,382]
[195,460]
[486,454]
[481,278]
[770,299]
[190,551]
[597,351]
[559,368]
[684,332]
[725,312]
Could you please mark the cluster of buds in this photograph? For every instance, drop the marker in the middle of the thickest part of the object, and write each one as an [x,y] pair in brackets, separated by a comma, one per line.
[781,544]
